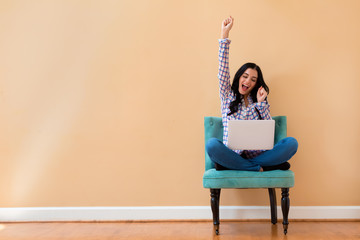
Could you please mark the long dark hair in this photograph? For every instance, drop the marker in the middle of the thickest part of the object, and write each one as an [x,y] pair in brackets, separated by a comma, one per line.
[234,105]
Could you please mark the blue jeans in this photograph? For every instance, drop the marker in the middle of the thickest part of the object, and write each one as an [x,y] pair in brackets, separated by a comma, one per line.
[221,154]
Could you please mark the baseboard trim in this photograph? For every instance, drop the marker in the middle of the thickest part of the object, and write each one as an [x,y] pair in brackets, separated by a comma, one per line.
[171,213]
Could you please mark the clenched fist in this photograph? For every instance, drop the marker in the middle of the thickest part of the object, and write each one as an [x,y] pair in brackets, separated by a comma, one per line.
[226,27]
[261,94]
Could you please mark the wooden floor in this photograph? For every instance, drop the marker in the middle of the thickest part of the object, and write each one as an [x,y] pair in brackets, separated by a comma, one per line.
[179,230]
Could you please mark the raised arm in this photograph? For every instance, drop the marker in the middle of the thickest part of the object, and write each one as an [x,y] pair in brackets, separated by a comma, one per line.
[262,105]
[224,42]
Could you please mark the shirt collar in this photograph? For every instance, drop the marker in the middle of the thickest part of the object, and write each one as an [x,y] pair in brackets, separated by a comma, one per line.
[249,100]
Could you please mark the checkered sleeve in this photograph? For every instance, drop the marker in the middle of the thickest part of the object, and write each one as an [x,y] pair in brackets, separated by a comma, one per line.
[224,72]
[264,109]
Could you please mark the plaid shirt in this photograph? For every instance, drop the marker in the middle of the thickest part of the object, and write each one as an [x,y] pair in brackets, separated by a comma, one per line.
[227,96]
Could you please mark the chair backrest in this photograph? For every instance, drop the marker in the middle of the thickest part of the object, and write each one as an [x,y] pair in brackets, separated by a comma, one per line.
[214,128]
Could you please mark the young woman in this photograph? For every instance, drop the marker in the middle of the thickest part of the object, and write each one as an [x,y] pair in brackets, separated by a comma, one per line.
[245,99]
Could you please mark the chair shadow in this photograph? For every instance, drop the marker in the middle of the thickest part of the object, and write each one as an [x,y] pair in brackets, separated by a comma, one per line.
[250,230]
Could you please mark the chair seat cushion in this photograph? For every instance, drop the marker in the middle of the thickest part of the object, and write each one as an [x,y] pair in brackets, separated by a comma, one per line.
[248,179]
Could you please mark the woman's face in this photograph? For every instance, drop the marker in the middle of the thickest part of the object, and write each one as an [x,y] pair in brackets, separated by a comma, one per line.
[247,81]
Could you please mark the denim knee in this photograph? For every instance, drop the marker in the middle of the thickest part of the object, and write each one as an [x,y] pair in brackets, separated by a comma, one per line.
[212,145]
[293,143]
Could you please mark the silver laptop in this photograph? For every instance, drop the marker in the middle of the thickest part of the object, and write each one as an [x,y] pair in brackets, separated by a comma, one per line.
[251,134]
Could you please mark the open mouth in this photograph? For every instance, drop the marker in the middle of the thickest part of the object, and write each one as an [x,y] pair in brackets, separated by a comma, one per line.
[244,87]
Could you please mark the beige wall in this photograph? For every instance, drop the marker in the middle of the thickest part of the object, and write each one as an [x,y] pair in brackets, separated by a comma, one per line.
[102,102]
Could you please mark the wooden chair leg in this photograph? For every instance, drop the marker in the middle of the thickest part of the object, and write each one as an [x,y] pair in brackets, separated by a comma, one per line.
[215,197]
[285,205]
[273,207]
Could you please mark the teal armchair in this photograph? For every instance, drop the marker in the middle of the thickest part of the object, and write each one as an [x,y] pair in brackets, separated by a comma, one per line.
[216,180]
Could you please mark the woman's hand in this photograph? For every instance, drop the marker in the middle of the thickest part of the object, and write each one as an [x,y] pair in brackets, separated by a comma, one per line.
[226,27]
[261,94]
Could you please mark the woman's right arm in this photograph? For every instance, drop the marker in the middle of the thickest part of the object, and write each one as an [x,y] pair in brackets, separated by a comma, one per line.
[224,73]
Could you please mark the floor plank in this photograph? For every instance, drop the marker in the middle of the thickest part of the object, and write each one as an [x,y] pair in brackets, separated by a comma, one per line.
[178,231]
